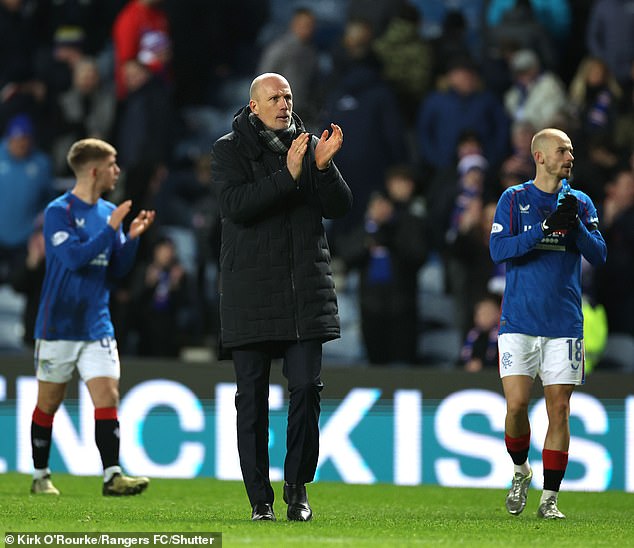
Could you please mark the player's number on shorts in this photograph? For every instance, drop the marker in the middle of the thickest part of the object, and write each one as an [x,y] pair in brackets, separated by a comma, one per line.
[575,350]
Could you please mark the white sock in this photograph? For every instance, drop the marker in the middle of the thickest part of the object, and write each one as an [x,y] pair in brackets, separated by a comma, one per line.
[39,473]
[547,494]
[523,469]
[109,472]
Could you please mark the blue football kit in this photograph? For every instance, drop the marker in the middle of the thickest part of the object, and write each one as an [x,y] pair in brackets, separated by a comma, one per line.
[542,296]
[84,256]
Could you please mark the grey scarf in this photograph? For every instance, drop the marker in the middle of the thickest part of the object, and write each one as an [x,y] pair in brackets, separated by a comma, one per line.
[278,141]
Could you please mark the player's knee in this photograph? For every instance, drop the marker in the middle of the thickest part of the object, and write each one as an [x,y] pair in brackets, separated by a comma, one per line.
[559,411]
[517,407]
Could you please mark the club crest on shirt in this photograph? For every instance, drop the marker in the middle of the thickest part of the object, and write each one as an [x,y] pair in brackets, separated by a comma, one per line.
[59,237]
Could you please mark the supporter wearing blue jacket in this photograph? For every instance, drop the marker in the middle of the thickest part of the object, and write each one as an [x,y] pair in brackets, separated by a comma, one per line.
[25,188]
[446,114]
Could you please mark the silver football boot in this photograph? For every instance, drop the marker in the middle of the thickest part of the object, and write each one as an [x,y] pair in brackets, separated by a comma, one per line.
[516,497]
[548,509]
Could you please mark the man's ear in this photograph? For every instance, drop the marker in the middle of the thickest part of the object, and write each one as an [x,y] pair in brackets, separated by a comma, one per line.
[253,106]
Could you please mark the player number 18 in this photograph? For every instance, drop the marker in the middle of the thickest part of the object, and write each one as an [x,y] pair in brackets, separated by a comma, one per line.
[575,350]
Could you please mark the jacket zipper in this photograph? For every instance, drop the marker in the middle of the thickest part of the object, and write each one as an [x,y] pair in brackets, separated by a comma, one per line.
[291,260]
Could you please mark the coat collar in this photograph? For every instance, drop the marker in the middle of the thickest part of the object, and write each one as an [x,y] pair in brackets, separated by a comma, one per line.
[249,143]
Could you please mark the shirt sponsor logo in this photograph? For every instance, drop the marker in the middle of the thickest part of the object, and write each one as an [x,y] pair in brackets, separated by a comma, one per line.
[554,242]
[100,260]
[59,238]
[495,228]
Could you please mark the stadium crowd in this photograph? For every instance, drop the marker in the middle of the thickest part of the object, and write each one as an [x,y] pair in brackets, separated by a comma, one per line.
[443,101]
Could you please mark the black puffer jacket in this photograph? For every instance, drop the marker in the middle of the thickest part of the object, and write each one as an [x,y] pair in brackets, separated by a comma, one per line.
[275,275]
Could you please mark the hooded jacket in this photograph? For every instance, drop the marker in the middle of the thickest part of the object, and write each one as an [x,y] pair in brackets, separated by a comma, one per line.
[276,283]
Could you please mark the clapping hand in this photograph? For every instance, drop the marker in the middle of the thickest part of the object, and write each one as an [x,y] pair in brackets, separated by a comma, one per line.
[141,223]
[328,146]
[564,218]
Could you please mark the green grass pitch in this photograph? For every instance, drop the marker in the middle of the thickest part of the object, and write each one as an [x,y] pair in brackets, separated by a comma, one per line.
[345,515]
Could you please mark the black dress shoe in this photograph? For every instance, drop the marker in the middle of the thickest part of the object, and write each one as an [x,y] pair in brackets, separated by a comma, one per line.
[263,511]
[297,500]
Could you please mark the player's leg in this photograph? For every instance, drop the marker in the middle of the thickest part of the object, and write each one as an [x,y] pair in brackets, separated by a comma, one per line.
[54,365]
[562,370]
[49,397]
[99,367]
[517,439]
[555,452]
[518,367]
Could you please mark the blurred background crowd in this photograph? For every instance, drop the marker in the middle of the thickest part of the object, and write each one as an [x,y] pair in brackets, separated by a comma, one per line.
[438,101]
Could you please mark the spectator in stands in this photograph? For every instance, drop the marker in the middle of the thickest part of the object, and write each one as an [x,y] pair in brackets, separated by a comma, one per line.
[519,166]
[595,165]
[594,96]
[55,64]
[443,188]
[470,271]
[162,302]
[536,96]
[452,42]
[145,129]
[216,48]
[353,48]
[367,107]
[378,13]
[295,55]
[407,60]
[609,35]
[141,32]
[480,348]
[87,109]
[520,26]
[624,130]
[184,202]
[95,17]
[445,114]
[615,279]
[25,188]
[554,15]
[20,90]
[27,277]
[472,173]
[388,249]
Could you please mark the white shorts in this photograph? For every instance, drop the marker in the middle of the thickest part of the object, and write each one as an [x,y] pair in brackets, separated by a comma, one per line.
[556,361]
[55,361]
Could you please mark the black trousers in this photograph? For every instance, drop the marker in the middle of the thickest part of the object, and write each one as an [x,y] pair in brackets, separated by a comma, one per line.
[302,369]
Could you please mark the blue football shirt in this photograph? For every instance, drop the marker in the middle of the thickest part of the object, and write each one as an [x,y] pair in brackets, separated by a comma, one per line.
[542,296]
[84,255]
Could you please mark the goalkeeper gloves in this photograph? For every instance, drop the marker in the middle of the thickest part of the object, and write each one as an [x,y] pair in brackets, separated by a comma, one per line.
[564,218]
